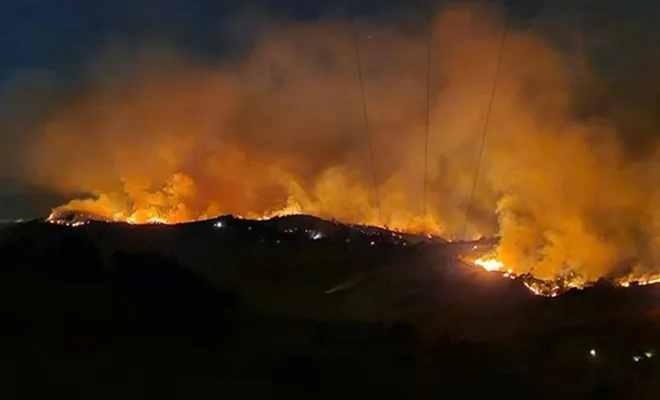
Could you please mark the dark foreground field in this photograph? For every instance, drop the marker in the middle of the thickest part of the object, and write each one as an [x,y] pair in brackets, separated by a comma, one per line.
[299,307]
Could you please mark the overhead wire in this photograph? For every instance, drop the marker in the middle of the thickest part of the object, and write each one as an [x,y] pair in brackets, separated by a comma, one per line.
[486,124]
[429,43]
[365,113]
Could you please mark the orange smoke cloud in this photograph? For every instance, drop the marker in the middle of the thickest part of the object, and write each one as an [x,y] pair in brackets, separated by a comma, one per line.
[172,140]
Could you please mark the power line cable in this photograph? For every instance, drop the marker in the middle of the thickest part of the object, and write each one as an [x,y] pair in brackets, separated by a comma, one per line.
[428,117]
[486,123]
[366,115]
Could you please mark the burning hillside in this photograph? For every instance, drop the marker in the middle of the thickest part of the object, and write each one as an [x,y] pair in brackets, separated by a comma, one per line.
[282,131]
[472,254]
[560,284]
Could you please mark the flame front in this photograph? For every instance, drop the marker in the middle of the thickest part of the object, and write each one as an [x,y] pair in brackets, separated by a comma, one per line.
[631,280]
[332,196]
[555,287]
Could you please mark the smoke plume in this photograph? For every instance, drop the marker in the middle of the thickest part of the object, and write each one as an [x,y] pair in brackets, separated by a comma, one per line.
[176,139]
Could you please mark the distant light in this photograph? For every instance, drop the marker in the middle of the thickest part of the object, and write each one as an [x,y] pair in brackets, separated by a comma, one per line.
[636,358]
[593,352]
[316,235]
[219,224]
[648,354]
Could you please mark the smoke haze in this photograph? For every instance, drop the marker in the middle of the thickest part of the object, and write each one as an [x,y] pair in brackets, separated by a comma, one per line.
[156,134]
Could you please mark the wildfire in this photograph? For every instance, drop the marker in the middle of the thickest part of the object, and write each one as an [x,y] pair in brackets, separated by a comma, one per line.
[277,132]
[178,201]
[76,216]
[53,220]
[559,285]
[539,287]
[150,220]
[65,215]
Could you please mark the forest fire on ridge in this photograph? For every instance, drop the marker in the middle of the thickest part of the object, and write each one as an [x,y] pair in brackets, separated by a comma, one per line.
[282,130]
[540,287]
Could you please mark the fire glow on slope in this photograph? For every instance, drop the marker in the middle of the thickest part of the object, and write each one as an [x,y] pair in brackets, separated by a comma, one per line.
[559,285]
[539,287]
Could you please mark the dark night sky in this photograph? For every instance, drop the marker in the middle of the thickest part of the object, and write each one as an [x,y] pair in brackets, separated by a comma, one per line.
[60,35]
[51,41]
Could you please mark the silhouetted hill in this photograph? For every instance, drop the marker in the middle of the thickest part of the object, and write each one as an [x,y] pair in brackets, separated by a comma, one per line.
[263,309]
